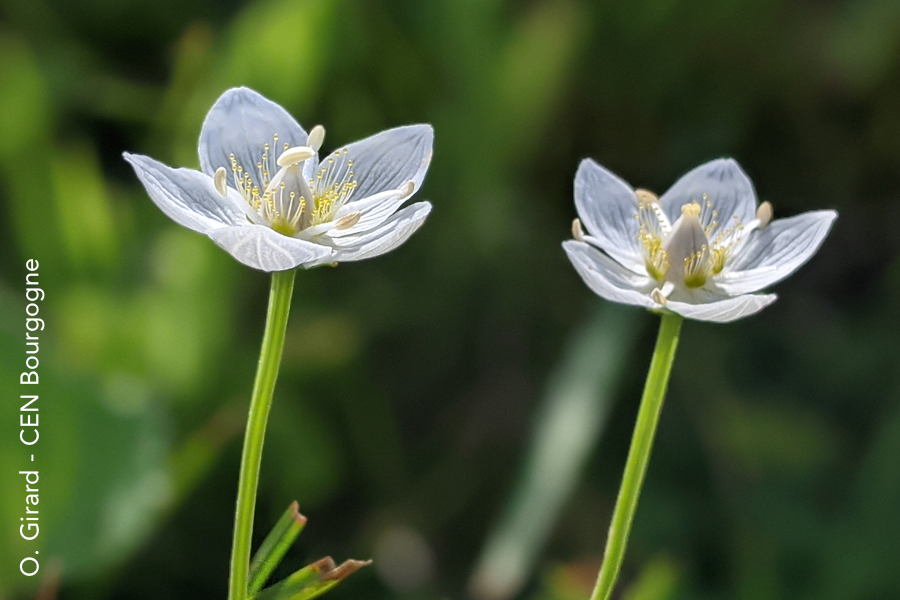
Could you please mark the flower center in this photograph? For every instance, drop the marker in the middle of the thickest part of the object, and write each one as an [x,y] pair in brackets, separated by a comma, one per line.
[691,250]
[279,193]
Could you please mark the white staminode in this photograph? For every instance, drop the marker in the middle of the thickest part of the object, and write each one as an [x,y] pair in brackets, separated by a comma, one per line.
[700,250]
[764,214]
[577,230]
[406,190]
[282,207]
[316,137]
[295,156]
[220,181]
[348,221]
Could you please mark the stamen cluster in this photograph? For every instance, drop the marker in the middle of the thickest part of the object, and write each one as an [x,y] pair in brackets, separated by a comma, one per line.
[287,202]
[704,249]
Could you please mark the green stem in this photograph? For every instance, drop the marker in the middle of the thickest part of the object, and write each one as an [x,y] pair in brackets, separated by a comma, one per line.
[638,454]
[260,403]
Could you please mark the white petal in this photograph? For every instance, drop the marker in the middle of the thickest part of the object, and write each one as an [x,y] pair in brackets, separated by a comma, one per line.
[607,278]
[726,187]
[373,210]
[262,248]
[310,166]
[393,233]
[387,160]
[241,122]
[186,196]
[776,251]
[608,207]
[723,311]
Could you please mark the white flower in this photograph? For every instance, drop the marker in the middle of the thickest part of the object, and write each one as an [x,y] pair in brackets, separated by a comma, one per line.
[700,250]
[265,197]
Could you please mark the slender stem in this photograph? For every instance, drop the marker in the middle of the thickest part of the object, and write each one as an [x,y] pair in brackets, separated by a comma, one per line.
[260,402]
[638,454]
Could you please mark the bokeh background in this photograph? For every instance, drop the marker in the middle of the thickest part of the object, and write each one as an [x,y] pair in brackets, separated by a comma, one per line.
[460,409]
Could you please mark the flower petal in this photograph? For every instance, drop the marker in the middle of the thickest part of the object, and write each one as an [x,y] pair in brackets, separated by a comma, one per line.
[373,211]
[776,251]
[608,206]
[387,160]
[726,187]
[722,311]
[186,196]
[393,233]
[607,278]
[262,248]
[242,122]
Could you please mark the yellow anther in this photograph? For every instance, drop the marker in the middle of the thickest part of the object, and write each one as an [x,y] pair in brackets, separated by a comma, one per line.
[646,196]
[691,209]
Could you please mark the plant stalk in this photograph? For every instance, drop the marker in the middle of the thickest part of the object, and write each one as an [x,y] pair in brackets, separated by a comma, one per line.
[260,403]
[638,454]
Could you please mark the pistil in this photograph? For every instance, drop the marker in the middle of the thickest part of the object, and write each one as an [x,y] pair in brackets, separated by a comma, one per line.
[687,248]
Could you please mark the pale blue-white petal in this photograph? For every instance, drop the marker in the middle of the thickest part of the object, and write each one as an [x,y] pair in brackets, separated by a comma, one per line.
[387,160]
[722,311]
[608,209]
[774,252]
[607,278]
[186,196]
[391,234]
[720,182]
[262,248]
[310,166]
[242,122]
[373,211]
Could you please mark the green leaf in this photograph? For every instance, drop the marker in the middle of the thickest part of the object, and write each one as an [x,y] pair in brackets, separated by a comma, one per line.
[313,580]
[275,546]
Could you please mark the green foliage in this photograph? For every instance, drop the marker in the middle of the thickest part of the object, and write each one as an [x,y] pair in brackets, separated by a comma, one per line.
[311,581]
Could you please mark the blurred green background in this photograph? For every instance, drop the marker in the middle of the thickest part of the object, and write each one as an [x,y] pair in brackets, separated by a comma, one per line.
[460,409]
